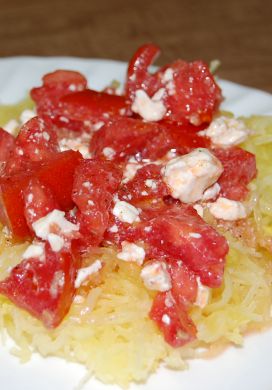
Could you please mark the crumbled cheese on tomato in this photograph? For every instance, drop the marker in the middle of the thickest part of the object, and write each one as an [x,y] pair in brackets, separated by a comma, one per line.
[26,115]
[109,153]
[166,319]
[227,209]
[113,229]
[11,127]
[126,212]
[203,294]
[56,242]
[199,209]
[84,273]
[226,132]
[150,183]
[132,252]
[195,235]
[168,80]
[34,250]
[130,171]
[150,109]
[80,144]
[156,277]
[97,126]
[44,226]
[211,192]
[188,176]
[57,282]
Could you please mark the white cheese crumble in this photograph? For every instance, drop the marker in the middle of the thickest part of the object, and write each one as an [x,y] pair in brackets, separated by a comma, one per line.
[26,115]
[156,277]
[227,209]
[203,294]
[199,209]
[132,252]
[84,273]
[56,242]
[166,319]
[11,127]
[130,171]
[211,192]
[80,144]
[55,219]
[195,235]
[226,132]
[150,183]
[150,109]
[126,212]
[168,80]
[109,153]
[34,250]
[190,175]
[113,229]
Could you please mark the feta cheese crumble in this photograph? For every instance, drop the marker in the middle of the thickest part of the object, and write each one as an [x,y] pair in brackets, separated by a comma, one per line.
[150,109]
[203,294]
[126,212]
[156,277]
[131,252]
[190,175]
[226,132]
[45,226]
[211,192]
[109,153]
[34,250]
[227,209]
[11,127]
[84,273]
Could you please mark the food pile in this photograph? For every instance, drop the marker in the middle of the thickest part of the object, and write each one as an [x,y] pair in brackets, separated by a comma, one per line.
[133,221]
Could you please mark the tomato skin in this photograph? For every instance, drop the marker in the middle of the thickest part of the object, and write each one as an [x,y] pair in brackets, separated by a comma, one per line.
[43,288]
[180,330]
[239,169]
[138,76]
[48,173]
[93,188]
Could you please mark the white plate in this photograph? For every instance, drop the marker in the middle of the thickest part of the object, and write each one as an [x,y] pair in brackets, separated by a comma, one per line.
[237,368]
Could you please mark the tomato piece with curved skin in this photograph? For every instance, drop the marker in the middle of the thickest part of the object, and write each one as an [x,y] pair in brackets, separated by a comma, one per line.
[94,185]
[194,94]
[36,142]
[48,173]
[7,143]
[239,169]
[138,76]
[173,320]
[178,232]
[38,200]
[43,287]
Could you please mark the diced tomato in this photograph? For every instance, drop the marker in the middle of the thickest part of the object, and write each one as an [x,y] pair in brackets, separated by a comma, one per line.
[43,287]
[184,284]
[180,233]
[94,185]
[7,142]
[147,184]
[138,76]
[173,320]
[239,169]
[57,174]
[126,136]
[38,200]
[130,137]
[57,84]
[36,141]
[193,94]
